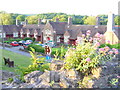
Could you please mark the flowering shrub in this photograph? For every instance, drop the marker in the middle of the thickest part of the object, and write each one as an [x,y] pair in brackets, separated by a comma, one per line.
[38,63]
[87,55]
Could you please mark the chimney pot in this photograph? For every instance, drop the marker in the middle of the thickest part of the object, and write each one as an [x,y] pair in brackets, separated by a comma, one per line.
[69,20]
[57,19]
[39,21]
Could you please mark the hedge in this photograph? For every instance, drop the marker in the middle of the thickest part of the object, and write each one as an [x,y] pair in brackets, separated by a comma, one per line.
[117,46]
[36,47]
[41,49]
[11,40]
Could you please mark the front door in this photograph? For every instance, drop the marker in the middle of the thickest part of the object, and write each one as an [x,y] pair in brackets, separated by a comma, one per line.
[48,38]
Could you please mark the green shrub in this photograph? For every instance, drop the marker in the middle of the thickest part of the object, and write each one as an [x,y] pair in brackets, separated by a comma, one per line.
[36,47]
[85,57]
[117,46]
[19,39]
[7,42]
[10,80]
[28,38]
[59,51]
[11,40]
[103,45]
[35,64]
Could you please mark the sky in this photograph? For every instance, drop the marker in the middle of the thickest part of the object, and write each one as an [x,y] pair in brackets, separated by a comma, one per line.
[77,7]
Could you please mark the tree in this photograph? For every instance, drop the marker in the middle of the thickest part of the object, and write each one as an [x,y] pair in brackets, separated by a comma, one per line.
[90,20]
[21,17]
[117,20]
[32,19]
[103,19]
[6,19]
[62,18]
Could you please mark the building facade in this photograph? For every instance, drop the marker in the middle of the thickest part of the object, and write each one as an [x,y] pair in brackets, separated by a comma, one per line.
[62,32]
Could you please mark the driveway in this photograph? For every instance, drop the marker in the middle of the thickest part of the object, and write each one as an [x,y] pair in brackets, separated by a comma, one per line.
[16,50]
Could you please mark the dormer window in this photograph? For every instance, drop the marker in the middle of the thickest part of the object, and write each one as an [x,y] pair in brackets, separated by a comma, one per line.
[47,31]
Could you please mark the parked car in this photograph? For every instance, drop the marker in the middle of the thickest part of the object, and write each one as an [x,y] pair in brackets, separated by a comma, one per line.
[14,43]
[43,45]
[28,42]
[21,42]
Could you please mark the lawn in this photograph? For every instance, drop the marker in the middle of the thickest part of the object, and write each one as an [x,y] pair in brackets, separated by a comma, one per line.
[22,61]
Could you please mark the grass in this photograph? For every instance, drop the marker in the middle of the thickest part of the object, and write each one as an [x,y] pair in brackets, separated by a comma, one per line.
[22,61]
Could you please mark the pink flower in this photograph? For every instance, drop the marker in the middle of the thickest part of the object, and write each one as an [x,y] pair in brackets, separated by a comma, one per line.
[101,50]
[88,59]
[97,44]
[113,49]
[101,35]
[90,39]
[118,76]
[83,35]
[97,35]
[110,52]
[88,31]
[88,34]
[116,52]
[106,48]
[98,39]
[108,41]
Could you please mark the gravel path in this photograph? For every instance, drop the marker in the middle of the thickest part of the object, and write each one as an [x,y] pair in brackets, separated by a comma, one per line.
[16,50]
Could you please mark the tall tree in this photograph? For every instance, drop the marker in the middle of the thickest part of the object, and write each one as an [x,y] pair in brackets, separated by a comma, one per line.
[117,20]
[62,18]
[103,19]
[21,17]
[6,19]
[32,19]
[91,20]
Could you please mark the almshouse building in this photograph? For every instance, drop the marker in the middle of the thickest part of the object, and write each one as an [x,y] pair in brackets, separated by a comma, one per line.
[62,32]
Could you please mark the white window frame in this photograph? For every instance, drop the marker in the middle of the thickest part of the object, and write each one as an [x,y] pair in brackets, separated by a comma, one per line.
[35,35]
[66,39]
[28,34]
[2,35]
[15,34]
[47,31]
[58,38]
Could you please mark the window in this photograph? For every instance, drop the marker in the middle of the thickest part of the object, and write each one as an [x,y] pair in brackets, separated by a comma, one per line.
[4,35]
[0,35]
[47,31]
[15,34]
[27,34]
[66,38]
[58,38]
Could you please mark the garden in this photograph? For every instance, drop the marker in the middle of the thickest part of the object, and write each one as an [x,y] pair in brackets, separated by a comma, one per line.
[86,65]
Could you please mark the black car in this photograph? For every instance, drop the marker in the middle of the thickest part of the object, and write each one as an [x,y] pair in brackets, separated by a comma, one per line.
[21,42]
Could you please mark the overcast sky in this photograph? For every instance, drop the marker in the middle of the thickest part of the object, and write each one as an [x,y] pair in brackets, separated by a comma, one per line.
[81,7]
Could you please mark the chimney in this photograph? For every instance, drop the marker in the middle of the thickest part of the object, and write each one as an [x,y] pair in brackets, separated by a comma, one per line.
[110,23]
[57,19]
[69,20]
[97,20]
[39,21]
[17,22]
[26,21]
